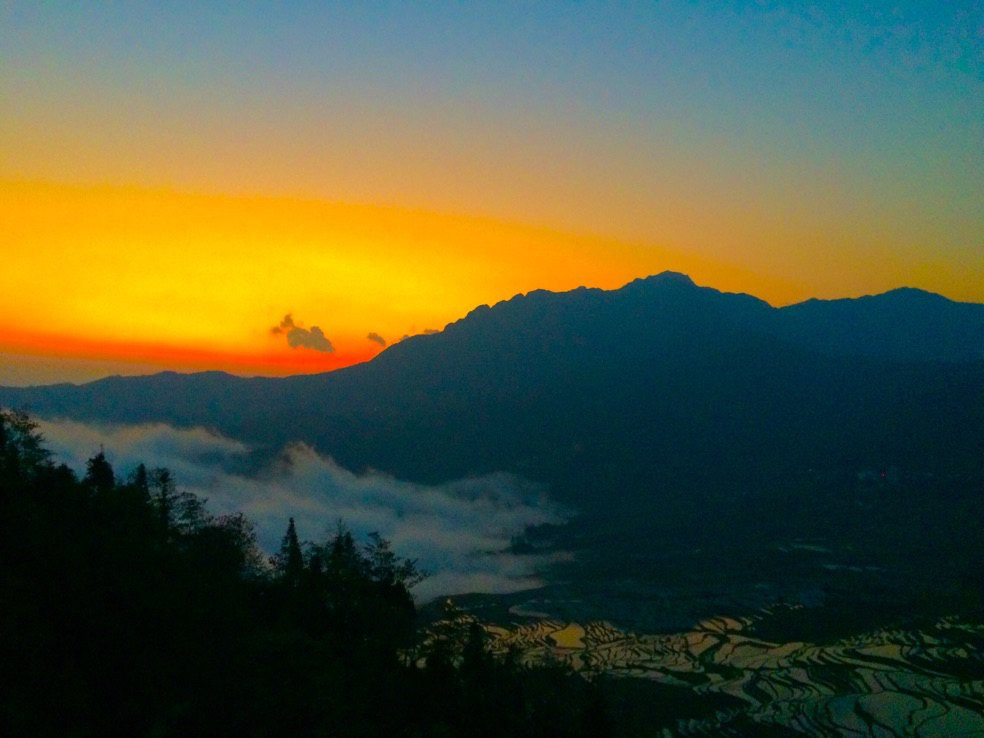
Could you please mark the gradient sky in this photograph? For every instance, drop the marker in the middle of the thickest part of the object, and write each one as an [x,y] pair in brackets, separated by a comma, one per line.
[176,178]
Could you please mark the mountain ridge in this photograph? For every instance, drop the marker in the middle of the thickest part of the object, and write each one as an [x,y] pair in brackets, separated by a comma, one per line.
[610,394]
[663,279]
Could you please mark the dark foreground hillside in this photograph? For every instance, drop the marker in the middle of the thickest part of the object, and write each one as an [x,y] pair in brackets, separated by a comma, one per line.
[129,610]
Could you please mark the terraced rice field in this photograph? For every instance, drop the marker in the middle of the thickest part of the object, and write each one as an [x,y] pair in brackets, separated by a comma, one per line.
[889,682]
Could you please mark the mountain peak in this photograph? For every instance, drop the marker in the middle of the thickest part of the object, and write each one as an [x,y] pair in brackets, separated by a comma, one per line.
[910,293]
[669,277]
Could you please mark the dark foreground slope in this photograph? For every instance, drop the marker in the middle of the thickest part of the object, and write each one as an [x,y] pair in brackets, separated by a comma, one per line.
[129,610]
[614,396]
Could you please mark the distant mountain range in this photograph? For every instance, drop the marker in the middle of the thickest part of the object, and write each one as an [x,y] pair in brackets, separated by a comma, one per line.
[606,396]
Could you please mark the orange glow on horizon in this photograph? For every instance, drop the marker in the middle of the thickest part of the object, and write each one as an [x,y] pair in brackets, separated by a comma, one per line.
[167,356]
[184,281]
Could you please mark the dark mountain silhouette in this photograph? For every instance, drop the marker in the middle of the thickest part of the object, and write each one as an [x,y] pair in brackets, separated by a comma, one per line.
[610,396]
[905,324]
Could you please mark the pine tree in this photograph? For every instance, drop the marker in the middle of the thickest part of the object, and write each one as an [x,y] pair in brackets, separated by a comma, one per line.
[99,474]
[139,481]
[163,496]
[290,560]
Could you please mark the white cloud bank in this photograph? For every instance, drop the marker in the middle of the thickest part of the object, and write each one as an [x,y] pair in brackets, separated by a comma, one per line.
[456,531]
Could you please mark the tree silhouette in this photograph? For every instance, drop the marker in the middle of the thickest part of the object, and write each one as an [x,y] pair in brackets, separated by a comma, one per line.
[140,481]
[21,445]
[163,496]
[99,473]
[289,562]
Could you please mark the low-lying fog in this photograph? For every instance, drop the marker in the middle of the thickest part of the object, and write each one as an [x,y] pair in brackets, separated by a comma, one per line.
[457,531]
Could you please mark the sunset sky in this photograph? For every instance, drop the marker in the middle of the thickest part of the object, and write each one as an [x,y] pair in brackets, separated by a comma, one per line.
[271,188]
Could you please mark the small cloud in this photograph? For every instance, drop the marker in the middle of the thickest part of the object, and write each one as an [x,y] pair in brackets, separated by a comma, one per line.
[428,331]
[376,338]
[313,338]
[285,325]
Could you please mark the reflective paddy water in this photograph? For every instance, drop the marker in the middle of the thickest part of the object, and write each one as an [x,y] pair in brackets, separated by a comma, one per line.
[923,681]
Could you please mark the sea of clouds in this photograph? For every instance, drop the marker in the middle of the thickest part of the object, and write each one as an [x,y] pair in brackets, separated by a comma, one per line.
[458,532]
